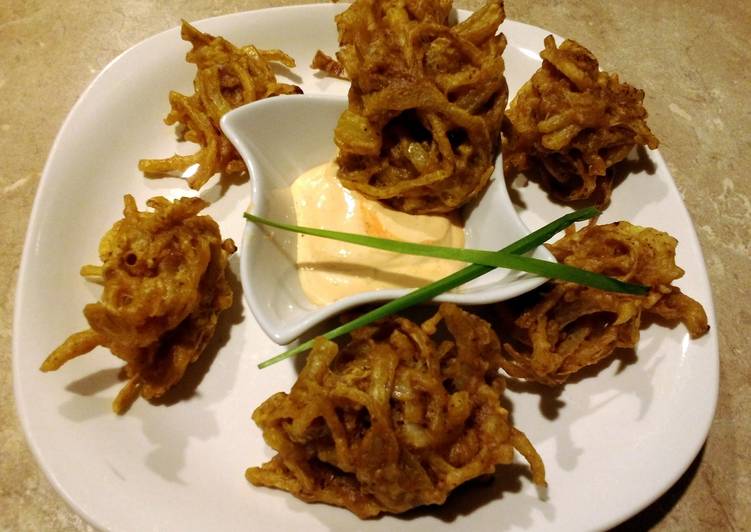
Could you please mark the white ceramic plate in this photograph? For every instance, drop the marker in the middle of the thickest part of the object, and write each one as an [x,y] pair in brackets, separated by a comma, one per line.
[611,444]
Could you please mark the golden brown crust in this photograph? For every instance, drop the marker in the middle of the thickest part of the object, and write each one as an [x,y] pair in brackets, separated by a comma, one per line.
[393,420]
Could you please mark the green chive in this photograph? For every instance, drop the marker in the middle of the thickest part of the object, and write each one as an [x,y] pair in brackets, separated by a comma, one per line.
[429,291]
[496,259]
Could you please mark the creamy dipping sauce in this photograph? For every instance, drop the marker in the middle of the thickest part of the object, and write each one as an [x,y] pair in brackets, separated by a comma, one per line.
[330,270]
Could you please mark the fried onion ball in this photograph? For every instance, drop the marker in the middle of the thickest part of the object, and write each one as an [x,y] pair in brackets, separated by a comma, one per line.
[426,102]
[164,287]
[573,123]
[227,77]
[563,327]
[393,420]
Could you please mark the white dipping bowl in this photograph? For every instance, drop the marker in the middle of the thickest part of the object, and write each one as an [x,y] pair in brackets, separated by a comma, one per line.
[280,138]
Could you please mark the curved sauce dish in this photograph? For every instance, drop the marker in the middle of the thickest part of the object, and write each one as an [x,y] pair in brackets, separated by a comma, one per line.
[280,138]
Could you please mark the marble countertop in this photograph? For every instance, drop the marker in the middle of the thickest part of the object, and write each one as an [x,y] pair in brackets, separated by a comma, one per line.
[687,56]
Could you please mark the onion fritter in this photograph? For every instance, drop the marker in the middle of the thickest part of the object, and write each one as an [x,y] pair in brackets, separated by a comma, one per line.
[227,77]
[164,287]
[575,123]
[393,420]
[564,327]
[425,105]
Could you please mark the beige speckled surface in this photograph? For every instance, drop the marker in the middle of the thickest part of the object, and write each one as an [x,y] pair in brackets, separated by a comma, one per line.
[690,57]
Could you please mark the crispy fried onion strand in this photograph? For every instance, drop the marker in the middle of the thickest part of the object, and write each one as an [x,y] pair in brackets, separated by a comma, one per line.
[425,105]
[574,122]
[393,420]
[227,77]
[564,327]
[164,287]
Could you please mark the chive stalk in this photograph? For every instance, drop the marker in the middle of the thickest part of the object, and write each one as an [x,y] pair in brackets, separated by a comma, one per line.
[429,291]
[495,259]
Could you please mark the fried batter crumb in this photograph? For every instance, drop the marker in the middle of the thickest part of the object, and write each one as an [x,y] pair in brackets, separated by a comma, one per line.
[328,65]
